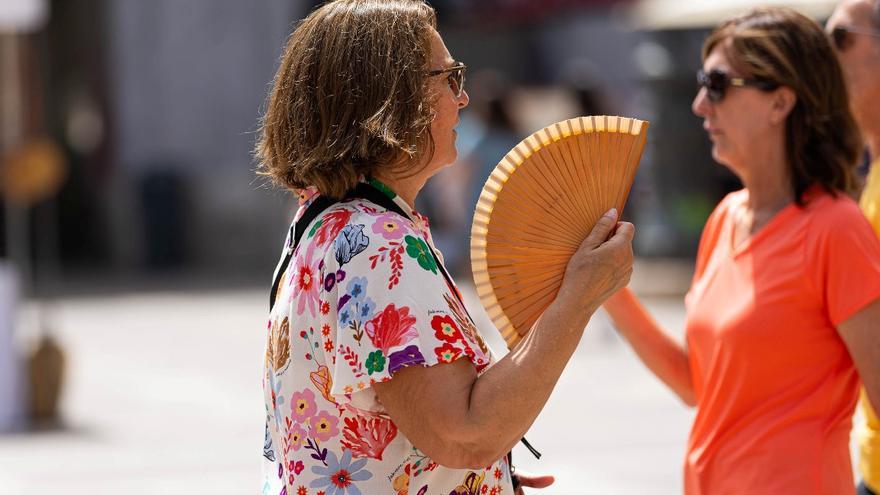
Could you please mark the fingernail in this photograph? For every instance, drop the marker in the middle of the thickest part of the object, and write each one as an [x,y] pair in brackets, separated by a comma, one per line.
[612,213]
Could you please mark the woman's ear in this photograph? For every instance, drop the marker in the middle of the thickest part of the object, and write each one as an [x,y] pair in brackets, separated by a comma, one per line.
[784,99]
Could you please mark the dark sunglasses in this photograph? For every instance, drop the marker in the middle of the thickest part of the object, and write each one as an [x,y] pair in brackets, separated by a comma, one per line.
[717,81]
[455,77]
[841,37]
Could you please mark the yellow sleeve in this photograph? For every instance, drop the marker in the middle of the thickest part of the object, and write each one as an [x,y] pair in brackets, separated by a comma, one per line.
[870,202]
[869,437]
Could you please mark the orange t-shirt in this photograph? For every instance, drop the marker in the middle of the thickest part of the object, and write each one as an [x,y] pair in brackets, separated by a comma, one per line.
[775,385]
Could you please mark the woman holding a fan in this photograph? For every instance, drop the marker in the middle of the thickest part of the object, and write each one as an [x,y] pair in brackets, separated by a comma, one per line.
[376,380]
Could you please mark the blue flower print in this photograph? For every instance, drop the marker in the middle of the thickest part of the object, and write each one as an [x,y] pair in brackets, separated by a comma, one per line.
[355,308]
[357,288]
[345,317]
[366,308]
[350,242]
[338,477]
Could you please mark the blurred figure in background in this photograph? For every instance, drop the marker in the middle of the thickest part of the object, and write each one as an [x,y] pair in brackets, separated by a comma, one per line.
[783,309]
[854,29]
[376,379]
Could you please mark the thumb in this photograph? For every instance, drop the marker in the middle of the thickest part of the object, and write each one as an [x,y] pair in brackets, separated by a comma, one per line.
[534,480]
[602,230]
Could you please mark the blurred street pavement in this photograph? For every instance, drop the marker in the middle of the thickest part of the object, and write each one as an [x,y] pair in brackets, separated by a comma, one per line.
[163,397]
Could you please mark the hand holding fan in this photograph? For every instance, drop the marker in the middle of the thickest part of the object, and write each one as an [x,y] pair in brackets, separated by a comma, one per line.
[537,207]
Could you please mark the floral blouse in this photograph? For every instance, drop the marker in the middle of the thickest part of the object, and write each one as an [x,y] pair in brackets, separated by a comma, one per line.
[362,298]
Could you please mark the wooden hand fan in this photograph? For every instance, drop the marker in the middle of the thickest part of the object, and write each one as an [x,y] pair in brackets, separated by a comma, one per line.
[537,207]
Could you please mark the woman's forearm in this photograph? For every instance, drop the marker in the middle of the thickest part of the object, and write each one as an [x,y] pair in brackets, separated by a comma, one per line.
[505,400]
[462,420]
[665,356]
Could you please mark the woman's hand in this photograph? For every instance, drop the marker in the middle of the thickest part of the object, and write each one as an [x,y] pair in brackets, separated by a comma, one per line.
[601,266]
[464,421]
[532,481]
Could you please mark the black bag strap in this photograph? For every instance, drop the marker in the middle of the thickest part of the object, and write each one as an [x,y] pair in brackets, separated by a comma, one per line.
[375,196]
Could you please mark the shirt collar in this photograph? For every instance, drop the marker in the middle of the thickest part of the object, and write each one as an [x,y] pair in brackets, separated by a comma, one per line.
[307,195]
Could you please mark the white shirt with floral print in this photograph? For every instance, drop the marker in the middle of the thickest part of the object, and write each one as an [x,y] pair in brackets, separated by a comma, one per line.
[361,299]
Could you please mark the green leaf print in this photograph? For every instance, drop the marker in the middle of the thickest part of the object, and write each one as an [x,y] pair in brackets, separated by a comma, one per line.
[416,248]
[315,228]
[375,362]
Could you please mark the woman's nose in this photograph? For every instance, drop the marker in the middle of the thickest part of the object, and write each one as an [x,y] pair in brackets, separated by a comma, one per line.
[700,103]
[463,99]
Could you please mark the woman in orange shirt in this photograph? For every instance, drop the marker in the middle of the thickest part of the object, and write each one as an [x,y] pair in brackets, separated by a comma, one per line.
[783,315]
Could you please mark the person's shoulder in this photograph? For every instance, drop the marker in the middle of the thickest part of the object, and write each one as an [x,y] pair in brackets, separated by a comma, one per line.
[379,220]
[835,220]
[733,199]
[832,211]
[724,207]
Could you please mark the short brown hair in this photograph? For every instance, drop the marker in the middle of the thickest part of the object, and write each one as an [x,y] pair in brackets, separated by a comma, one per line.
[350,95]
[780,46]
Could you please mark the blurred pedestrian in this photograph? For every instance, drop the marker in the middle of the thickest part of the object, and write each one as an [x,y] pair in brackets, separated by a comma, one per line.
[783,309]
[854,29]
[376,380]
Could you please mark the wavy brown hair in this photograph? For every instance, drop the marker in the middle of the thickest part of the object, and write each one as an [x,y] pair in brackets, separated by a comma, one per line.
[781,46]
[350,95]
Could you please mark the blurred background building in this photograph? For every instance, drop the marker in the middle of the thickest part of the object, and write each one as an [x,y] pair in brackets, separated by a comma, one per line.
[154,107]
[127,126]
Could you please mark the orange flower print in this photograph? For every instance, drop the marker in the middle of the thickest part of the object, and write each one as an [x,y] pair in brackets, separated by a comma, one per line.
[328,345]
[325,330]
[302,490]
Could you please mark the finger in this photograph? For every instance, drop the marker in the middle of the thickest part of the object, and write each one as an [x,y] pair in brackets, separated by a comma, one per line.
[602,229]
[535,481]
[625,231]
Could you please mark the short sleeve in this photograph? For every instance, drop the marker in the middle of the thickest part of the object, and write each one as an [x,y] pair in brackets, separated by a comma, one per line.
[393,307]
[843,258]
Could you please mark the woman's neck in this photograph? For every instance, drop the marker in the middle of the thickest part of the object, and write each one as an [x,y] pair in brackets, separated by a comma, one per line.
[406,187]
[770,190]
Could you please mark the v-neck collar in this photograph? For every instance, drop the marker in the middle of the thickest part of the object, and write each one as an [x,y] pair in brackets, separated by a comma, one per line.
[768,228]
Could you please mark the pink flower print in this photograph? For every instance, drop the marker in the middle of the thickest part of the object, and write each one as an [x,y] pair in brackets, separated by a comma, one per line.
[303,405]
[308,283]
[389,225]
[296,437]
[324,426]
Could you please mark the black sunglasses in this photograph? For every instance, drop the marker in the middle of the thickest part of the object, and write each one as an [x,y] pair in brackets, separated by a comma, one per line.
[841,37]
[716,82]
[455,77]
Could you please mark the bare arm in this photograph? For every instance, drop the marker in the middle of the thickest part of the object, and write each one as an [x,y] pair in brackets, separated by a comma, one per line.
[665,356]
[861,334]
[464,421]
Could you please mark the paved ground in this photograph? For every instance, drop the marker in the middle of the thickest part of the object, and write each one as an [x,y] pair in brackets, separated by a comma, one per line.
[163,397]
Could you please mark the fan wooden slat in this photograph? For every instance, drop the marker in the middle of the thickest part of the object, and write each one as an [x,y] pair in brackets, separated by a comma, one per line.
[539,204]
